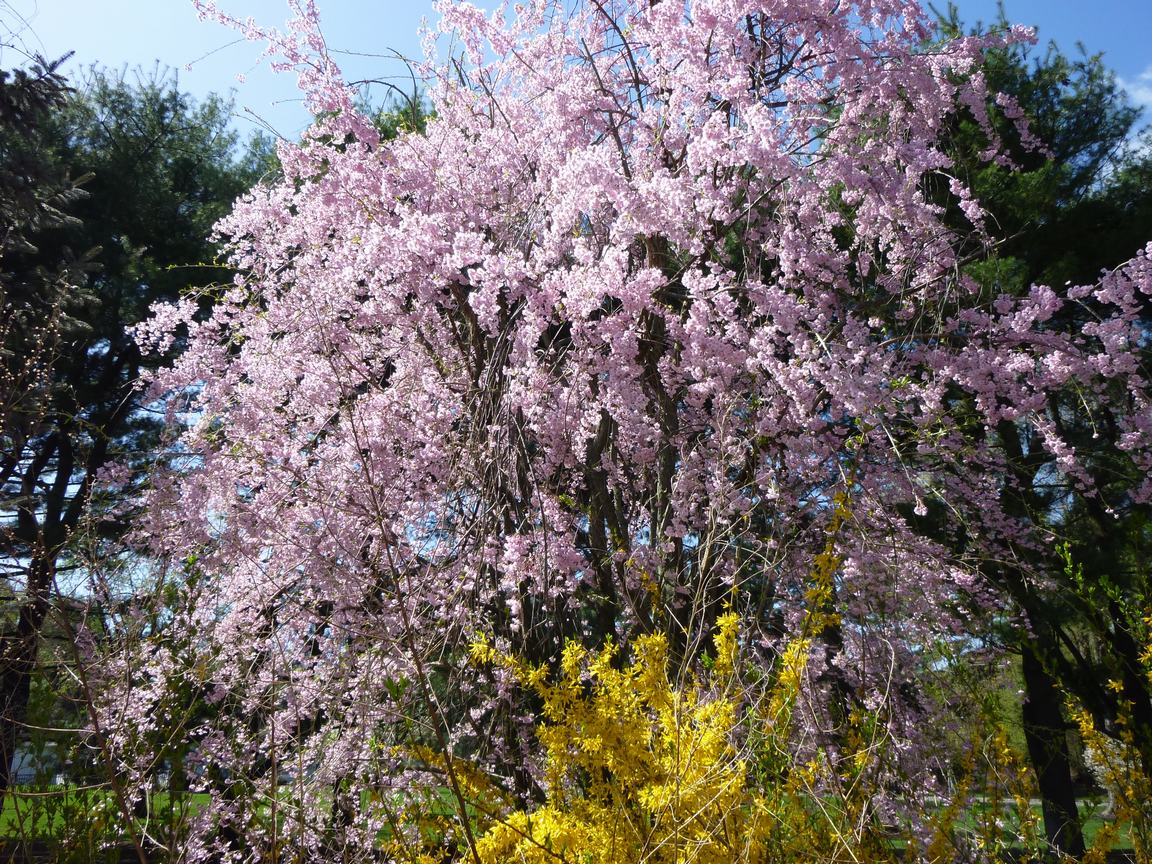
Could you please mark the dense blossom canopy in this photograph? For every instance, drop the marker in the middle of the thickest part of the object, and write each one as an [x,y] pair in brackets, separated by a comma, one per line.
[592,358]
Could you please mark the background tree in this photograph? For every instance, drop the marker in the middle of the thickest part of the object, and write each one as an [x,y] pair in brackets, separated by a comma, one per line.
[160,169]
[42,295]
[1061,213]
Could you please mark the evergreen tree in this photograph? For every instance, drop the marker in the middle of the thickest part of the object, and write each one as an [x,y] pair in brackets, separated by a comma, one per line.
[1061,213]
[159,170]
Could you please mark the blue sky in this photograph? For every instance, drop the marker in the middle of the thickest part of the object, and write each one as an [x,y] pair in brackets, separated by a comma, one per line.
[206,56]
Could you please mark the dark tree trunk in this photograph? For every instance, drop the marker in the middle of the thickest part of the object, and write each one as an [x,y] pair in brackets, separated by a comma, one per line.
[19,650]
[1046,734]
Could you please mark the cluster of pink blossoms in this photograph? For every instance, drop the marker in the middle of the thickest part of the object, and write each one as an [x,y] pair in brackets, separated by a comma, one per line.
[590,359]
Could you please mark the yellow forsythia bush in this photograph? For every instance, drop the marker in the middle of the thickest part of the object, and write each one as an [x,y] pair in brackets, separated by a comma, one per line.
[1117,766]
[644,768]
[640,768]
[637,769]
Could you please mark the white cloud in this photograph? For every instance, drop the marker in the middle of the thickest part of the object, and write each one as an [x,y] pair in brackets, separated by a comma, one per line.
[1139,89]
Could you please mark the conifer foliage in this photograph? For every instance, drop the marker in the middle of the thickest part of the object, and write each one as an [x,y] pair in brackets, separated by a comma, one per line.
[107,194]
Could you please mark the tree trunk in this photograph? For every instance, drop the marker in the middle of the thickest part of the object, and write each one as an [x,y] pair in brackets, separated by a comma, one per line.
[19,650]
[1047,737]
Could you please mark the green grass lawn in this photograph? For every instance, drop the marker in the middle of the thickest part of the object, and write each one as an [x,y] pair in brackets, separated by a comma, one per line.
[49,812]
